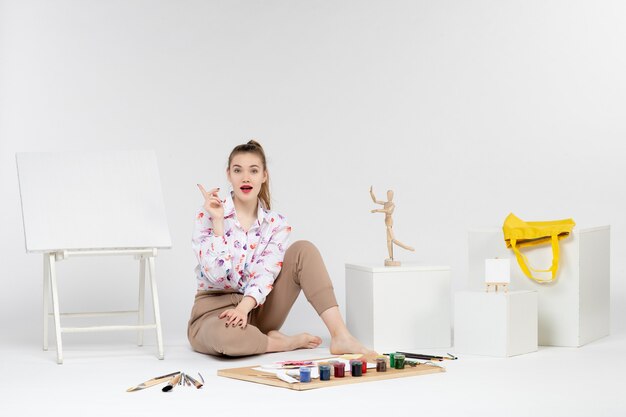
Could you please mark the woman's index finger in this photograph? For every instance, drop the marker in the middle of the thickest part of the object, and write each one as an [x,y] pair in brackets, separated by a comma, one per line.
[202,190]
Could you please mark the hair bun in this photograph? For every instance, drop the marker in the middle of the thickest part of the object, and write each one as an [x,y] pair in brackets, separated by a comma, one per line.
[254,143]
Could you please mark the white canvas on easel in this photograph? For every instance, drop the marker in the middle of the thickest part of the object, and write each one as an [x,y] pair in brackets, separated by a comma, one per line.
[94,203]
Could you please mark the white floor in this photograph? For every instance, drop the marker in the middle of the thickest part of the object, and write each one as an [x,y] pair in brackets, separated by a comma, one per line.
[588,381]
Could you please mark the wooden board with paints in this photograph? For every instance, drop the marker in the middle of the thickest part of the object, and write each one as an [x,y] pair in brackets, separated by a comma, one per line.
[254,374]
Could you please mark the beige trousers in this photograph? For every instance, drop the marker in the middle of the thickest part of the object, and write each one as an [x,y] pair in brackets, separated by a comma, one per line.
[303,269]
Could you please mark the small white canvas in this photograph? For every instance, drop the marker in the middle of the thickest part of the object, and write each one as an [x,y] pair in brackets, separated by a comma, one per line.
[92,200]
[497,270]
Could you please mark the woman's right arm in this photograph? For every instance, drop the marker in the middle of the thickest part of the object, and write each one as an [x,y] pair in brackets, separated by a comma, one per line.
[208,240]
[211,248]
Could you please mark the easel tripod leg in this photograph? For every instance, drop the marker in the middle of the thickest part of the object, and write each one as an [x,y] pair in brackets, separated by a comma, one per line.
[155,306]
[55,306]
[46,299]
[142,292]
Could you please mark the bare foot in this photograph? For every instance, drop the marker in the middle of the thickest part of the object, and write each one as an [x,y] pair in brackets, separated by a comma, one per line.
[346,343]
[279,342]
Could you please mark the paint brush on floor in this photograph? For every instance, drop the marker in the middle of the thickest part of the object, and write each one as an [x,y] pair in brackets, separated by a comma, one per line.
[154,381]
[172,383]
[195,382]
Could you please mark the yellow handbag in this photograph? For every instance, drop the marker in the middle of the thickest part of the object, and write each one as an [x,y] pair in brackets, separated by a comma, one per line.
[520,234]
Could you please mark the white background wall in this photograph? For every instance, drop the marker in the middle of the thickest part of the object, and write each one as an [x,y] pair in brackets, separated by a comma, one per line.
[467,109]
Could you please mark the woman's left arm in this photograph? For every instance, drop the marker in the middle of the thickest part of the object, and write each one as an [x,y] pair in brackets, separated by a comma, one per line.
[264,272]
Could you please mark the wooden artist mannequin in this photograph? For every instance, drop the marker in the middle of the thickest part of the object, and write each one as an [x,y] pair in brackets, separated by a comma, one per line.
[388,208]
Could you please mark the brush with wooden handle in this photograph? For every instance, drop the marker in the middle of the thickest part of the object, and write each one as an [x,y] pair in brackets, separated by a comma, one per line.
[154,381]
[173,382]
[195,382]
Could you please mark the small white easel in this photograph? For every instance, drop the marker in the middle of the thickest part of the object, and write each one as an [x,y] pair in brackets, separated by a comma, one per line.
[497,274]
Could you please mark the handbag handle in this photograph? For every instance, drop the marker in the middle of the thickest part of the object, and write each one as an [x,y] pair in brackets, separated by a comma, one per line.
[522,260]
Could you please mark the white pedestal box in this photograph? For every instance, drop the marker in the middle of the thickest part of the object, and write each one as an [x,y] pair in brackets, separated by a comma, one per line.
[495,324]
[398,308]
[574,310]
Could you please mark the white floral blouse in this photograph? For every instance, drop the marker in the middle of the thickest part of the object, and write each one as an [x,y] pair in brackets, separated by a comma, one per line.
[246,262]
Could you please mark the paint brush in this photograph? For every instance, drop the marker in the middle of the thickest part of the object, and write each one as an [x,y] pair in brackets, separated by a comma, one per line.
[151,382]
[197,383]
[428,357]
[282,375]
[172,383]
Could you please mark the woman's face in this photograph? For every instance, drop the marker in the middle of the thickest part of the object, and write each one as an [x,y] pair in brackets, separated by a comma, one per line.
[246,174]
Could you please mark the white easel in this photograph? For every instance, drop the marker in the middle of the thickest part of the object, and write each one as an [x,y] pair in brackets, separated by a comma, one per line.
[99,204]
[497,274]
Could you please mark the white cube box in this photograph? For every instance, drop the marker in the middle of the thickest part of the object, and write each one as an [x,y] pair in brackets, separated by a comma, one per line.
[398,308]
[574,310]
[495,324]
